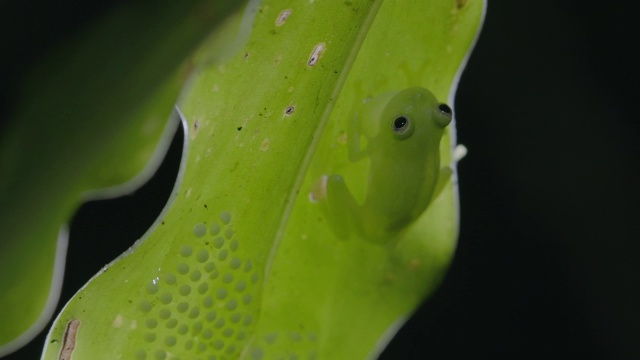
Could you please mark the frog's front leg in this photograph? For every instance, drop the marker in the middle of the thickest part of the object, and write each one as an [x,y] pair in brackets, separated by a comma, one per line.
[459,152]
[340,207]
[355,152]
[443,178]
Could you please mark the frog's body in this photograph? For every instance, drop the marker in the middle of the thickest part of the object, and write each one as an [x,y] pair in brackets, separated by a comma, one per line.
[403,131]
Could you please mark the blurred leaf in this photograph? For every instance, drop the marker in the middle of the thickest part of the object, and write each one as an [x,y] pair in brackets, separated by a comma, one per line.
[90,116]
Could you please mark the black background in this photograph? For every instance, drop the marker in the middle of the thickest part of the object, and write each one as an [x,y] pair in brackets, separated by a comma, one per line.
[548,263]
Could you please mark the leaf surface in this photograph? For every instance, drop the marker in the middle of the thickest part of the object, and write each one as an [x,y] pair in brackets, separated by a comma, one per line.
[241,264]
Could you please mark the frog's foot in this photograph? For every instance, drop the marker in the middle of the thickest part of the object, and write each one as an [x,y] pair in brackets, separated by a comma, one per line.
[319,190]
[459,152]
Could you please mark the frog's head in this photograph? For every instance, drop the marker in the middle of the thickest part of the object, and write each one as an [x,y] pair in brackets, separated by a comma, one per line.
[413,117]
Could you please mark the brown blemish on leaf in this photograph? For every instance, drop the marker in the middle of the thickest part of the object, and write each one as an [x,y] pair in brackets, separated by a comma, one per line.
[264,146]
[414,264]
[69,342]
[289,110]
[283,16]
[316,54]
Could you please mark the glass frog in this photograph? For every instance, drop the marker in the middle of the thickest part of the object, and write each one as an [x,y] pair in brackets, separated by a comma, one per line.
[402,130]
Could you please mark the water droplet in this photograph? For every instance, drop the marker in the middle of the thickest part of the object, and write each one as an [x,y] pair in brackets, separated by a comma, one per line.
[141,355]
[166,298]
[196,328]
[183,329]
[152,288]
[171,323]
[188,345]
[215,229]
[247,298]
[170,341]
[227,278]
[248,266]
[145,306]
[199,230]
[209,267]
[271,338]
[151,323]
[185,290]
[194,313]
[295,336]
[203,288]
[221,293]
[170,279]
[235,318]
[150,337]
[220,323]
[195,275]
[202,256]
[232,305]
[257,353]
[182,307]
[214,275]
[218,242]
[218,344]
[211,315]
[186,251]
[182,268]
[164,314]
[232,348]
[161,355]
[225,217]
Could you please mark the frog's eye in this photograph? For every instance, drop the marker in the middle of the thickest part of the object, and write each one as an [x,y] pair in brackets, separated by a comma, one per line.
[445,114]
[402,127]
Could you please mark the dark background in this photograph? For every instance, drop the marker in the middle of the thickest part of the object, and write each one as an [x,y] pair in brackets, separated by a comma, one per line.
[548,263]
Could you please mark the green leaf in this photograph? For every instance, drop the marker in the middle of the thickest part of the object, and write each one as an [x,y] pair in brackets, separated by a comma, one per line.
[89,117]
[241,264]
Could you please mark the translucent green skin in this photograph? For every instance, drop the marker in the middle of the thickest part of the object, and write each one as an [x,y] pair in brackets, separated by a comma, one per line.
[404,174]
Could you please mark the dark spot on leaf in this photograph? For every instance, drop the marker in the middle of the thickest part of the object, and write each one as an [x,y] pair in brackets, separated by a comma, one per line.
[239,128]
[289,110]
